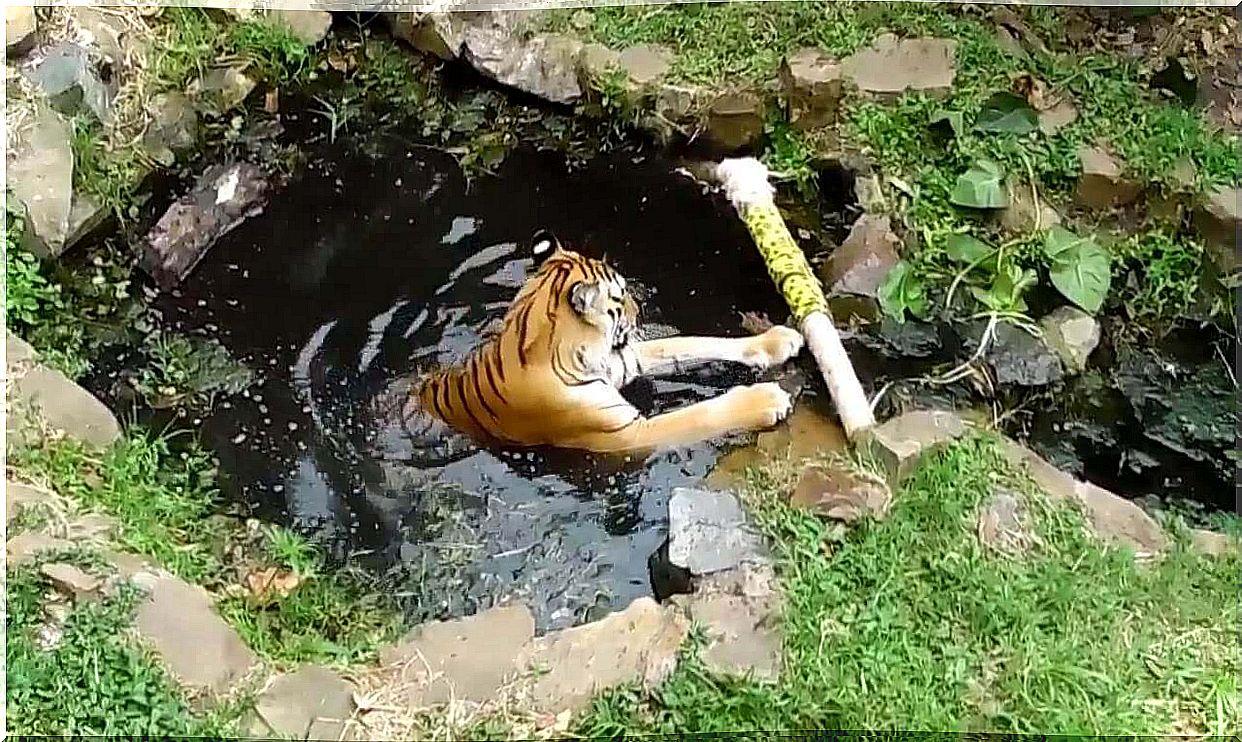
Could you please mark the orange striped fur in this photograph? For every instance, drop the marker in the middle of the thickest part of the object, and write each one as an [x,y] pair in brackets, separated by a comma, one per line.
[551,375]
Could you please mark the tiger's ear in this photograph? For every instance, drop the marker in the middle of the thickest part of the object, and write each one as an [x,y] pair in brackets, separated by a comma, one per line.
[544,244]
[583,296]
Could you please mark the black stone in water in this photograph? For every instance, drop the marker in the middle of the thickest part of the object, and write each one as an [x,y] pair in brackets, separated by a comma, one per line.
[366,270]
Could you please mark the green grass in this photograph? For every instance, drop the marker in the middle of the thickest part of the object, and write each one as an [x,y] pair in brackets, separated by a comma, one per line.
[164,500]
[910,624]
[736,43]
[92,681]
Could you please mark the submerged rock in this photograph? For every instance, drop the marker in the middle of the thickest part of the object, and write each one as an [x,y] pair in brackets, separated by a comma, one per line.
[1102,184]
[812,85]
[893,66]
[1073,334]
[222,199]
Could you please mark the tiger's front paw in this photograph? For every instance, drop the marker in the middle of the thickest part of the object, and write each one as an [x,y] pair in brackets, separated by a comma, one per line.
[776,345]
[761,405]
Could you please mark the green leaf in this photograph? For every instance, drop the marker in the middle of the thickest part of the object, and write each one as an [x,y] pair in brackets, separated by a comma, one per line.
[963,248]
[947,124]
[1007,113]
[902,292]
[981,187]
[1080,269]
[1005,293]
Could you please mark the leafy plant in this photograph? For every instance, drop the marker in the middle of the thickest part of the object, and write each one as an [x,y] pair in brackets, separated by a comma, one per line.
[947,124]
[903,292]
[1008,286]
[981,187]
[1008,114]
[1080,269]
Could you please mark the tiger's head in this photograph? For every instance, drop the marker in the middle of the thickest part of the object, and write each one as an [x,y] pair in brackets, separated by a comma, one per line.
[594,291]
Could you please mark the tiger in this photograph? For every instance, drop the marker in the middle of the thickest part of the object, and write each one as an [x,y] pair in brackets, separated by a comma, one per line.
[567,344]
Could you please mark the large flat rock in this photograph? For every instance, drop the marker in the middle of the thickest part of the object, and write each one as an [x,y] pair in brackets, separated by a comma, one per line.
[179,622]
[62,404]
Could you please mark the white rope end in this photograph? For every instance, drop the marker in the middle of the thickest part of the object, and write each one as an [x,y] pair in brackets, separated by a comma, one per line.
[745,182]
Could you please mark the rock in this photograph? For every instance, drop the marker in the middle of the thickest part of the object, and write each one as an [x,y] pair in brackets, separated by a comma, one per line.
[181,625]
[743,633]
[63,405]
[1057,116]
[438,34]
[18,353]
[40,175]
[677,103]
[1022,216]
[1101,185]
[222,199]
[1212,543]
[709,532]
[310,698]
[18,497]
[173,128]
[71,81]
[1217,220]
[1120,521]
[308,26]
[90,527]
[645,64]
[597,60]
[71,581]
[464,659]
[127,565]
[811,83]
[19,28]
[24,547]
[86,214]
[1113,518]
[1073,334]
[1004,525]
[899,443]
[545,65]
[105,32]
[841,495]
[1016,356]
[221,90]
[891,67]
[636,646]
[734,121]
[862,261]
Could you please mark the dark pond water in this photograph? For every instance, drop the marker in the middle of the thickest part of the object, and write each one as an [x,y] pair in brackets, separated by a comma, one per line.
[368,268]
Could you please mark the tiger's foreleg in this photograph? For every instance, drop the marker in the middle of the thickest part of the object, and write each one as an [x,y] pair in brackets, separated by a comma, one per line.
[743,408]
[678,354]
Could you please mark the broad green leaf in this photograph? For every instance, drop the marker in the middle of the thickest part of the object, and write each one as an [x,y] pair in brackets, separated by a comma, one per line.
[966,249]
[947,124]
[902,291]
[981,187]
[1007,113]
[1079,268]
